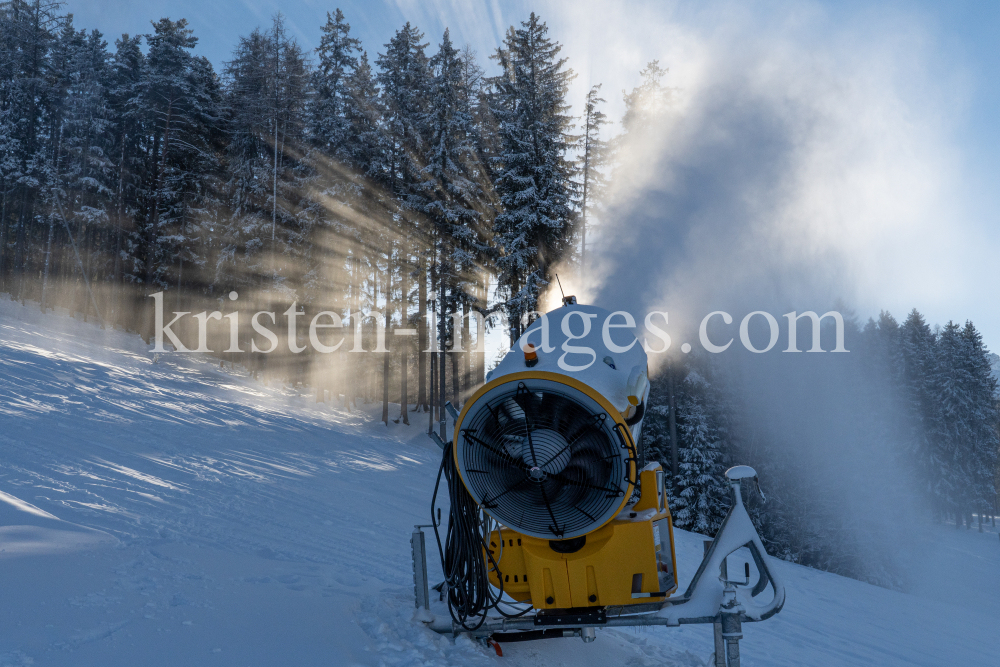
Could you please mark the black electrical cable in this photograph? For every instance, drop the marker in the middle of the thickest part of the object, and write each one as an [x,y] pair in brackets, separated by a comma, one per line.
[465,570]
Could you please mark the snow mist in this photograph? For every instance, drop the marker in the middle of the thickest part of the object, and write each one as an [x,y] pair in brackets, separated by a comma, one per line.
[784,172]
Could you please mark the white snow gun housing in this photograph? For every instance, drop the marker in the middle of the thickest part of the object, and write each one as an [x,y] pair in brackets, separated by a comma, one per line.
[558,524]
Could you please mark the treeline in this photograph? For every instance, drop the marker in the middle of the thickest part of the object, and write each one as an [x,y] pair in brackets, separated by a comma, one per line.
[922,402]
[399,187]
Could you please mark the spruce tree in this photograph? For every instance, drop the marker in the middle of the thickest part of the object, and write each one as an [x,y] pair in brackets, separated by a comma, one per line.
[329,121]
[952,430]
[179,101]
[699,496]
[983,445]
[917,348]
[532,169]
[130,166]
[594,153]
[29,29]
[266,93]
[646,102]
[404,78]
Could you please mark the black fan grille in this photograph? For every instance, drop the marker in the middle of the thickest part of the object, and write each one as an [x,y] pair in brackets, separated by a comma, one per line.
[542,462]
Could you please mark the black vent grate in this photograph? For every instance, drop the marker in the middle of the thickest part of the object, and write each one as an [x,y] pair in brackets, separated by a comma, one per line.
[542,463]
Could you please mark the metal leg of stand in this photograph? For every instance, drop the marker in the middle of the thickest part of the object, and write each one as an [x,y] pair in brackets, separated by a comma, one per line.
[732,632]
[420,588]
[720,644]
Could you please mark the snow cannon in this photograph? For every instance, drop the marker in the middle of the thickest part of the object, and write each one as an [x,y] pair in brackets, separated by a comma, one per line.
[558,524]
[550,448]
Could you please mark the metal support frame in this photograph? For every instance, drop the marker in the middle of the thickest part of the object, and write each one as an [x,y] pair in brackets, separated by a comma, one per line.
[717,600]
[418,550]
[719,657]
[421,590]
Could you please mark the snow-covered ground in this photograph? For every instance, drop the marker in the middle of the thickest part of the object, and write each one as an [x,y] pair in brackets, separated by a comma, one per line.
[169,512]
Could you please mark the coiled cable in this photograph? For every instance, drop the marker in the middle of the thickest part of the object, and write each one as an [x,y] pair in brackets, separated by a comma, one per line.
[470,595]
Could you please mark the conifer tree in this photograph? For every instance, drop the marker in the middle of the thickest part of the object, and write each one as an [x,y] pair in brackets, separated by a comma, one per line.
[267,81]
[699,498]
[951,430]
[404,78]
[532,169]
[646,101]
[983,446]
[179,101]
[28,28]
[328,112]
[917,346]
[80,171]
[126,69]
[592,160]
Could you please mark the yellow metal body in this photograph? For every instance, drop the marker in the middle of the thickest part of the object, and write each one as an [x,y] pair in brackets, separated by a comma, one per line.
[629,560]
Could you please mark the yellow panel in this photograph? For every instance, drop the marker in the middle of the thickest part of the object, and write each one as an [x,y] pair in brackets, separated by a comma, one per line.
[650,498]
[603,569]
[514,571]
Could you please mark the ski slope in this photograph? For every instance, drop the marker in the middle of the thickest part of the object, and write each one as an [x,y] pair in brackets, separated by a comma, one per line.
[164,511]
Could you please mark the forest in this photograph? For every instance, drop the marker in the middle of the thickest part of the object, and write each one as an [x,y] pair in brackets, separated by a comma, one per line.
[390,187]
[408,187]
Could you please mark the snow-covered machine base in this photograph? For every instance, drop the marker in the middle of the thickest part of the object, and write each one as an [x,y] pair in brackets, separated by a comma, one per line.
[712,597]
[558,524]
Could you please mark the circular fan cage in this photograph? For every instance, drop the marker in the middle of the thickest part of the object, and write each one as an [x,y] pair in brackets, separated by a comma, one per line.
[545,459]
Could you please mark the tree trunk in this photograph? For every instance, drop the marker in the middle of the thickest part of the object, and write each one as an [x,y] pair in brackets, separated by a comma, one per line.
[674,467]
[456,356]
[484,290]
[385,355]
[3,236]
[404,341]
[422,342]
[466,354]
[48,255]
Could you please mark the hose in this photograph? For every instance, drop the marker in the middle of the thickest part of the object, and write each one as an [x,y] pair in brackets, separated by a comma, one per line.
[470,595]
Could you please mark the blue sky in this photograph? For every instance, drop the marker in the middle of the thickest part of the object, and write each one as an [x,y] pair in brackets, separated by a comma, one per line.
[940,60]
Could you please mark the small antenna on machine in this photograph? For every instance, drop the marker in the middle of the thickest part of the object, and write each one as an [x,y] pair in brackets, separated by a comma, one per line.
[566,300]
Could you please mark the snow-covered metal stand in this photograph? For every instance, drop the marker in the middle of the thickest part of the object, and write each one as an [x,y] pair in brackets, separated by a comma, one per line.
[711,597]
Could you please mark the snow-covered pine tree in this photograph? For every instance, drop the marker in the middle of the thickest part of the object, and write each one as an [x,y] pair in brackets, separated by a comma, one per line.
[331,156]
[700,495]
[179,100]
[953,430]
[28,29]
[646,101]
[446,192]
[266,93]
[80,172]
[130,166]
[984,445]
[404,78]
[328,115]
[917,345]
[449,192]
[476,105]
[887,415]
[336,182]
[532,169]
[594,154]
[366,199]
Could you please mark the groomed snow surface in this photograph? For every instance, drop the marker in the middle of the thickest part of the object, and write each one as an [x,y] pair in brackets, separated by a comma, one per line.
[164,511]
